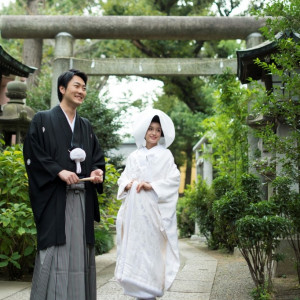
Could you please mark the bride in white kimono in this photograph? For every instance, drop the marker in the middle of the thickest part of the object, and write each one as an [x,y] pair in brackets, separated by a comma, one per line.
[147,250]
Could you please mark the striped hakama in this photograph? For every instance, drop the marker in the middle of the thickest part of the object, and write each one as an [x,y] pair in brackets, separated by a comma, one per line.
[68,271]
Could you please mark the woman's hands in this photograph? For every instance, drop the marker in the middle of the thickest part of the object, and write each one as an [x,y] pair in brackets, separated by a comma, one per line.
[142,185]
[128,186]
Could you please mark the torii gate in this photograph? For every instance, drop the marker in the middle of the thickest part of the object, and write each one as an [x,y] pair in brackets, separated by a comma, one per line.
[64,29]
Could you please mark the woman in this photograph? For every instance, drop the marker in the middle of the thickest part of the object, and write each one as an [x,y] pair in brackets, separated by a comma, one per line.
[148,257]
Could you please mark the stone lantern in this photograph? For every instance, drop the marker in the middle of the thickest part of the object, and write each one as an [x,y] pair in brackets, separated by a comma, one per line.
[16,116]
[247,68]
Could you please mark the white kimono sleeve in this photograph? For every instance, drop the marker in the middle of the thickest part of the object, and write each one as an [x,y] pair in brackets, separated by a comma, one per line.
[126,177]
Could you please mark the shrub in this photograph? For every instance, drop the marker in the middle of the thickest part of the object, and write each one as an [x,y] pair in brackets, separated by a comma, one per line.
[198,200]
[287,200]
[17,228]
[103,241]
[185,215]
[221,185]
[258,237]
[109,205]
[227,211]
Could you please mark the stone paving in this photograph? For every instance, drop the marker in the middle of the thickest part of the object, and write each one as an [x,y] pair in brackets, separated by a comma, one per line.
[194,280]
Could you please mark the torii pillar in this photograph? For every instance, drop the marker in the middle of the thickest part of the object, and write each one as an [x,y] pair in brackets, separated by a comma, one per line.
[64,44]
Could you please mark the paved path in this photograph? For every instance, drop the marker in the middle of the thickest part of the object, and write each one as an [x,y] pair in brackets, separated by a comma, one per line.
[194,281]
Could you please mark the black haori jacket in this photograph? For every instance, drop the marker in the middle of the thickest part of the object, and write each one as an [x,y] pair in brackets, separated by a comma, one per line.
[46,153]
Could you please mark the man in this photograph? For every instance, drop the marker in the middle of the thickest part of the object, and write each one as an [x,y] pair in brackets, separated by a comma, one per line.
[64,206]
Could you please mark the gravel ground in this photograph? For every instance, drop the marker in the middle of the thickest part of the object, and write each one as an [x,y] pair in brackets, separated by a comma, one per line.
[232,280]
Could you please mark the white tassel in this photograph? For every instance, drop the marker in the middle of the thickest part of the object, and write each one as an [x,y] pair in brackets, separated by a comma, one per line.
[78,155]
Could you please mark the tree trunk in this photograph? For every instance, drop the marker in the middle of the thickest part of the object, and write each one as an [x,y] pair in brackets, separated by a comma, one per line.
[33,48]
[188,170]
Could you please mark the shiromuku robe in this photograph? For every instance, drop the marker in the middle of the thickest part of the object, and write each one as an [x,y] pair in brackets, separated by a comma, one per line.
[46,153]
[148,256]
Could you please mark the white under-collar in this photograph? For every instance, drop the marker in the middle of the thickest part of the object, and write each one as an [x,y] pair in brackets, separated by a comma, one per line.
[72,124]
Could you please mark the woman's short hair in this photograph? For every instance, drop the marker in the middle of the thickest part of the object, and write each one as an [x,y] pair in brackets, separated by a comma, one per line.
[66,77]
[156,119]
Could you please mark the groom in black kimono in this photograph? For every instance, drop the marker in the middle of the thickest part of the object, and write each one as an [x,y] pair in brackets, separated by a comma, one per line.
[64,207]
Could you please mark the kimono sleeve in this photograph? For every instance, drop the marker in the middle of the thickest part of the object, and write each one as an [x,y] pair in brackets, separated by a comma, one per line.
[167,186]
[40,166]
[125,178]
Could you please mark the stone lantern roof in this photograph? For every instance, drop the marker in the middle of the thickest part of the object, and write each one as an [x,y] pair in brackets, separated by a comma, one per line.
[246,66]
[11,66]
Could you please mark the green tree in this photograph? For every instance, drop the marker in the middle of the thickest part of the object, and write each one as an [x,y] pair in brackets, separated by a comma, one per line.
[105,121]
[226,129]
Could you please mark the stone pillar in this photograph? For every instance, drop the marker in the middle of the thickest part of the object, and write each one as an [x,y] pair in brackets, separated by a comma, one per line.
[207,166]
[63,48]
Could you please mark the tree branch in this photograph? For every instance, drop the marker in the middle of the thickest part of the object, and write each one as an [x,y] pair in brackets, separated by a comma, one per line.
[139,45]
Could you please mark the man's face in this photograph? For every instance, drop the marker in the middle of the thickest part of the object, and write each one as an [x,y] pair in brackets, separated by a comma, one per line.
[75,92]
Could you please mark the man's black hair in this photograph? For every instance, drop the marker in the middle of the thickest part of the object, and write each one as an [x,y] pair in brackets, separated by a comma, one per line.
[66,77]
[156,119]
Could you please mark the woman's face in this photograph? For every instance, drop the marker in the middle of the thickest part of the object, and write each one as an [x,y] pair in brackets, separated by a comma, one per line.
[153,135]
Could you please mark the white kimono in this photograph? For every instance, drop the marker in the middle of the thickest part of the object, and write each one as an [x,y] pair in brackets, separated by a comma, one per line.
[148,257]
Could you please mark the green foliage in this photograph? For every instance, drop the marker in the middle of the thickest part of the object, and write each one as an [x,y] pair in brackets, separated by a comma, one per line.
[287,201]
[221,185]
[227,211]
[17,228]
[185,215]
[105,121]
[202,204]
[226,130]
[39,97]
[103,241]
[198,201]
[261,231]
[261,293]
[285,16]
[2,143]
[258,237]
[250,184]
[109,205]
[242,219]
